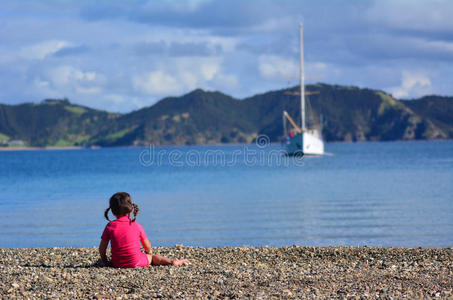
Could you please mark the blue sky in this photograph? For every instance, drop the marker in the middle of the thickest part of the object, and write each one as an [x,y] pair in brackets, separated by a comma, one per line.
[124,55]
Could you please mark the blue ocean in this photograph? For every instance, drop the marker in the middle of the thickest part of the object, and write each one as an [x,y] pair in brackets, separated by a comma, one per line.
[397,194]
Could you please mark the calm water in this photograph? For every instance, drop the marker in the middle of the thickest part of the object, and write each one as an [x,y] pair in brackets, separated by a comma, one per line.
[384,194]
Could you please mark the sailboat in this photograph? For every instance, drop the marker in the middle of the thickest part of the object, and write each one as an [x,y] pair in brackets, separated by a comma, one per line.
[302,140]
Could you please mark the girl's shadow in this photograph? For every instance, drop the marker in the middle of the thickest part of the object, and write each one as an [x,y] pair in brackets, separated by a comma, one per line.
[96,264]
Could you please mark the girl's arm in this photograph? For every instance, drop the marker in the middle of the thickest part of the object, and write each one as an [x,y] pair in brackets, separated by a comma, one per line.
[147,246]
[103,250]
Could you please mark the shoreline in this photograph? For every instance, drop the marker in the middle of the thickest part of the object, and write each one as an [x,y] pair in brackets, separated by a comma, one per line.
[43,148]
[204,145]
[293,272]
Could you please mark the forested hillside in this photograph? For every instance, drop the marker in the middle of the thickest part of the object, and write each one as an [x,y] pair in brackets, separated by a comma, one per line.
[201,117]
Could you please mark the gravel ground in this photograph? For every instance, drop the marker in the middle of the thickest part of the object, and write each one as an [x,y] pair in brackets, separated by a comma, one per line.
[233,272]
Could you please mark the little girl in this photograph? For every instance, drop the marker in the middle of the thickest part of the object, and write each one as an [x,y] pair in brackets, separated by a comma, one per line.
[125,235]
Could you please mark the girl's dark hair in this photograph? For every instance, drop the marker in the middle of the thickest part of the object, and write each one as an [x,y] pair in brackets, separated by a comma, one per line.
[121,205]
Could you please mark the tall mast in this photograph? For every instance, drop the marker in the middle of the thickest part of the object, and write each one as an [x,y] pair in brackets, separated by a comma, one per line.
[302,86]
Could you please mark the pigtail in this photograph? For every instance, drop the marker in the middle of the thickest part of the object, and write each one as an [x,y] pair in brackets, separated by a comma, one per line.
[106,214]
[135,210]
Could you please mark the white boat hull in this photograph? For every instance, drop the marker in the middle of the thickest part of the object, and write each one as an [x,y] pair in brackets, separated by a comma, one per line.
[307,143]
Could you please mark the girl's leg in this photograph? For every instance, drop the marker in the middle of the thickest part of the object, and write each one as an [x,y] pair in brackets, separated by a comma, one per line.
[157,260]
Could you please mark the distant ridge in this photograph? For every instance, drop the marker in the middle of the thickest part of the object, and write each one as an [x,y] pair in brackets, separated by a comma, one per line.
[201,117]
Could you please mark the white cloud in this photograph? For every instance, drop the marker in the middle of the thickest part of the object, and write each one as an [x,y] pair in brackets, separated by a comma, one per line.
[209,69]
[271,66]
[228,44]
[68,81]
[178,75]
[413,84]
[43,49]
[157,82]
[363,46]
[68,75]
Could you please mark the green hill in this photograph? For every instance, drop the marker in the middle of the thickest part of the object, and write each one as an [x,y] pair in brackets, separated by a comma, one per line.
[435,110]
[200,117]
[196,118]
[51,123]
[348,114]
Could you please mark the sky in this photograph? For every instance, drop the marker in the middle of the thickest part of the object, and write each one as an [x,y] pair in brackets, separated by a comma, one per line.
[124,55]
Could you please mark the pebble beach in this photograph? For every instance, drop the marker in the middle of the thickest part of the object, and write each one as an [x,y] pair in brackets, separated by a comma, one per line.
[232,272]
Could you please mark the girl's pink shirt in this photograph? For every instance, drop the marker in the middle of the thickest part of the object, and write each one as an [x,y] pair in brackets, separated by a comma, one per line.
[125,237]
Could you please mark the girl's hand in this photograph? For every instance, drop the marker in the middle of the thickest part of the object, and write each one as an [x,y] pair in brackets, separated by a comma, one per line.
[100,263]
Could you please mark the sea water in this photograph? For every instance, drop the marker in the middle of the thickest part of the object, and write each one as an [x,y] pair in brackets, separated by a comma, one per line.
[396,194]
